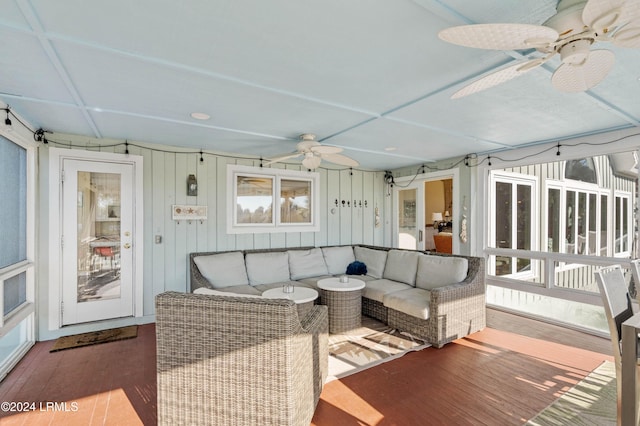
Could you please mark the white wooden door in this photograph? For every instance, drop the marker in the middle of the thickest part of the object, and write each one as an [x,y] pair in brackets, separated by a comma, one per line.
[97,240]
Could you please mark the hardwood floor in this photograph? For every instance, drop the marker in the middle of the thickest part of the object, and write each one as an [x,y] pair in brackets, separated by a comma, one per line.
[504,374]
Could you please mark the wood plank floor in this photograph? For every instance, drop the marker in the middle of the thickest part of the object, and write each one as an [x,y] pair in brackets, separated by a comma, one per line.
[503,375]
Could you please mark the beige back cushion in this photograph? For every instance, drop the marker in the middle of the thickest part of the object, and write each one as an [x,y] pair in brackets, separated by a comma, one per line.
[307,263]
[438,271]
[373,259]
[268,267]
[223,269]
[401,266]
[338,258]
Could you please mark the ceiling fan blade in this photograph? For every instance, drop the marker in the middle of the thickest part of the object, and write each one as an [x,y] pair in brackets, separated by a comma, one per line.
[600,14]
[578,78]
[631,13]
[282,158]
[500,77]
[326,149]
[500,36]
[340,159]
[629,37]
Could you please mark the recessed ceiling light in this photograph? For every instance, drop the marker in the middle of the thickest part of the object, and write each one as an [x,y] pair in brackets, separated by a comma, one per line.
[390,148]
[200,116]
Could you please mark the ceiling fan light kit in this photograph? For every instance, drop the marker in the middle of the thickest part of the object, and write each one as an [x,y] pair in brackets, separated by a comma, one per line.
[314,152]
[571,32]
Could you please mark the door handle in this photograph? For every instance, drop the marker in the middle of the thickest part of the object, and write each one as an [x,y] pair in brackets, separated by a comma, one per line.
[420,235]
[127,246]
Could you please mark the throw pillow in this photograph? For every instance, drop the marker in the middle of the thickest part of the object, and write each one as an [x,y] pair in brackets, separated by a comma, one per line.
[357,268]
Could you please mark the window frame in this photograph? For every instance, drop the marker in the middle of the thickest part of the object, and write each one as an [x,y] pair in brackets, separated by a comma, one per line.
[276,224]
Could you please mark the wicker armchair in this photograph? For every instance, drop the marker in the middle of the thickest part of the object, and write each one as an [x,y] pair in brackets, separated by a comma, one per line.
[235,360]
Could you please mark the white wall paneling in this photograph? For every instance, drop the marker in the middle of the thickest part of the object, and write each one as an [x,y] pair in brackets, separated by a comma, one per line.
[165,183]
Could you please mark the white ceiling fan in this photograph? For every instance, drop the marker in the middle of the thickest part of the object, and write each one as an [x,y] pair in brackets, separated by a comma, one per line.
[314,152]
[570,32]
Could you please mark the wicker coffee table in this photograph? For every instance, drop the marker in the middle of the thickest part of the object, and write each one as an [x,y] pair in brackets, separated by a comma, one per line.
[344,300]
[303,297]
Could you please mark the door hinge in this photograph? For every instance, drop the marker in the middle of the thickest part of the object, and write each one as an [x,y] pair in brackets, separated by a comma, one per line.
[62,241]
[62,176]
[61,308]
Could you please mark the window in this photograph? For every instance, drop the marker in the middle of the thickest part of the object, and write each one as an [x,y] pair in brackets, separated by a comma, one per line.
[13,219]
[16,258]
[583,170]
[514,220]
[272,200]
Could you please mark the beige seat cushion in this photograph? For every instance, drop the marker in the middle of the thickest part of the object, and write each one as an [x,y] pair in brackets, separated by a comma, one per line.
[205,290]
[414,302]
[264,287]
[377,289]
[312,282]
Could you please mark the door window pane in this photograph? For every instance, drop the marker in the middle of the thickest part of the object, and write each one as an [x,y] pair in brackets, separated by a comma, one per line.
[503,214]
[591,235]
[570,221]
[582,222]
[553,221]
[407,219]
[13,208]
[604,239]
[523,230]
[98,213]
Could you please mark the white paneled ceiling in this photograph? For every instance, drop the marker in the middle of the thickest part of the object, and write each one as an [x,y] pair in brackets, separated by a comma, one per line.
[362,74]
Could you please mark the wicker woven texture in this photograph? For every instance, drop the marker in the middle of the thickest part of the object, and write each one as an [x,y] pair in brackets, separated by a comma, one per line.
[242,361]
[345,309]
[455,310]
[375,309]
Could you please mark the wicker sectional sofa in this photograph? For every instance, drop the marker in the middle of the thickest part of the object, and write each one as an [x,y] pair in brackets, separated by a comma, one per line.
[435,297]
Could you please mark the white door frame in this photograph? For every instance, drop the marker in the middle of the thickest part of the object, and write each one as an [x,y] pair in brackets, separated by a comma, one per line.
[56,157]
[456,210]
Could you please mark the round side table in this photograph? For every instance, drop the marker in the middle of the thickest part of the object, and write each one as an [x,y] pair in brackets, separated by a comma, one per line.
[344,301]
[303,297]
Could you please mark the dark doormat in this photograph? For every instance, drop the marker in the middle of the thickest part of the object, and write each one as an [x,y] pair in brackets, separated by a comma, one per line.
[94,338]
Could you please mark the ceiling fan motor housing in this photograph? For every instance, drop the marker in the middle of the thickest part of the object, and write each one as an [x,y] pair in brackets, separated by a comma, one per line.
[568,20]
[575,52]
